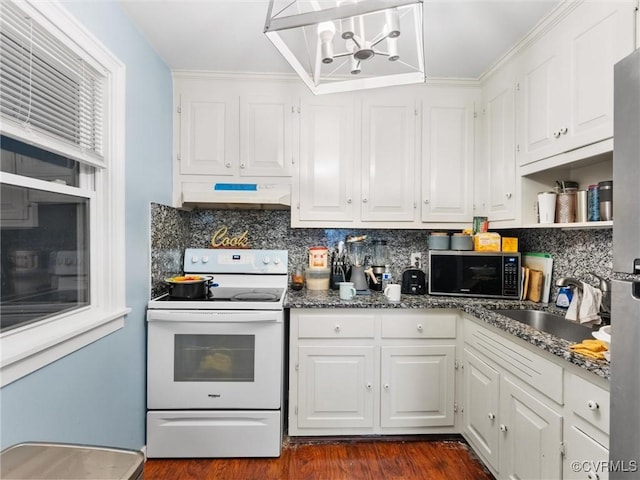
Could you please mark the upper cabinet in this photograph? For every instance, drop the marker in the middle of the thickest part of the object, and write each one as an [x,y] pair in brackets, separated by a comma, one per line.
[448,154]
[231,131]
[389,152]
[495,178]
[358,160]
[565,79]
[326,187]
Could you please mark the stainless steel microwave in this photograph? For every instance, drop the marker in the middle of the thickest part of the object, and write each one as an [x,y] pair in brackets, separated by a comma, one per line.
[474,274]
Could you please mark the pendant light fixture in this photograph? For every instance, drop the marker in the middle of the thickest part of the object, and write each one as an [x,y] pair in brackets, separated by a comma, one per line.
[349,44]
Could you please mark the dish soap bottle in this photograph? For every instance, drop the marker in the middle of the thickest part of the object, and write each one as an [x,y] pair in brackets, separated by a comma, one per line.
[564,297]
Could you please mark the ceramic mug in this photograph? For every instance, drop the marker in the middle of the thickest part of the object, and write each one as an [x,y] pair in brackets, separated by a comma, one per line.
[347,290]
[392,292]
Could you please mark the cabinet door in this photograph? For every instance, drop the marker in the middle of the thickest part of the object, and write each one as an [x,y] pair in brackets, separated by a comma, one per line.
[481,402]
[447,162]
[543,97]
[599,35]
[499,116]
[325,190]
[209,130]
[585,452]
[335,386]
[531,435]
[389,134]
[265,136]
[417,385]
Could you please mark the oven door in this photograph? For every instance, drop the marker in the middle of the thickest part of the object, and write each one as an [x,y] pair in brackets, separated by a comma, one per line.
[201,359]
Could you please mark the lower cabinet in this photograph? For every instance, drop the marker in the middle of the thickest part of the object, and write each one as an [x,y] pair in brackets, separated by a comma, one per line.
[358,372]
[516,434]
[528,417]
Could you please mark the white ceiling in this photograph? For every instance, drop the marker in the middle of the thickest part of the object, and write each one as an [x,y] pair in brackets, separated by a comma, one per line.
[463,38]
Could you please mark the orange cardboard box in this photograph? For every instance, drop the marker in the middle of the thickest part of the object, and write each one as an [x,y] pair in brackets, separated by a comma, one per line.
[509,244]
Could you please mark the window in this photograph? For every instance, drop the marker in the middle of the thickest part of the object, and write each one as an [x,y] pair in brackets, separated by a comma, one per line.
[62,183]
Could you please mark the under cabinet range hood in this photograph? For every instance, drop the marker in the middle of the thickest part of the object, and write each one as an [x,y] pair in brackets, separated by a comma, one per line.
[239,196]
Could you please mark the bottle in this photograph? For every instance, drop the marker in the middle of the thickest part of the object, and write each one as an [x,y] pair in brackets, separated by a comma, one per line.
[564,297]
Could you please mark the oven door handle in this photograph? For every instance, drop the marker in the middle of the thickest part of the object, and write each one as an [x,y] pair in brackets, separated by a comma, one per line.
[208,316]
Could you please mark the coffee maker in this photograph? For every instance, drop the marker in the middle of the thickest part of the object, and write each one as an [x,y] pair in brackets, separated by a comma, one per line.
[357,251]
[380,263]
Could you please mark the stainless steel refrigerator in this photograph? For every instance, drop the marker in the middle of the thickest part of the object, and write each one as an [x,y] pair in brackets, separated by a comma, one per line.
[624,443]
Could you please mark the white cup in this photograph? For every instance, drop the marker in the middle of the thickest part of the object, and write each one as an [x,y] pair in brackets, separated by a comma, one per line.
[547,207]
[392,292]
[347,290]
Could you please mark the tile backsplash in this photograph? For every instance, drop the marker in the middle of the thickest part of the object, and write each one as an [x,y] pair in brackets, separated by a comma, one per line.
[575,252]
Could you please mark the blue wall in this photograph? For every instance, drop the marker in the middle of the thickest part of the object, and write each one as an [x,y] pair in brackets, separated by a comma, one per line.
[97,394]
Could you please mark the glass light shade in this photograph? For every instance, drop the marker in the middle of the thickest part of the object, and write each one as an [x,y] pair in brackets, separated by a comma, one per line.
[380,42]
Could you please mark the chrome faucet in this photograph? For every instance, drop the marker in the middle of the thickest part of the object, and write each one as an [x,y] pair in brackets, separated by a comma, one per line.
[605,288]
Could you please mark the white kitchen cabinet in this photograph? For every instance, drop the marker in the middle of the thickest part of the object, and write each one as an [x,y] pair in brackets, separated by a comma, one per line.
[496,182]
[337,388]
[512,405]
[389,145]
[226,131]
[448,155]
[266,131]
[531,441]
[481,386]
[417,385]
[357,160]
[362,371]
[209,138]
[326,190]
[586,429]
[565,80]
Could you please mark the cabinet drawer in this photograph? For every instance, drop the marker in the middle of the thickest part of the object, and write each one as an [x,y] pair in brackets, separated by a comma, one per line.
[543,375]
[589,402]
[419,325]
[320,325]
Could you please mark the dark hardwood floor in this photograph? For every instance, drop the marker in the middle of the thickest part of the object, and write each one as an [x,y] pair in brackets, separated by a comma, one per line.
[350,459]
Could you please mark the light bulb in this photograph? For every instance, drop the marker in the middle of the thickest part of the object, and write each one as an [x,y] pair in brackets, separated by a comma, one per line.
[326,30]
[392,22]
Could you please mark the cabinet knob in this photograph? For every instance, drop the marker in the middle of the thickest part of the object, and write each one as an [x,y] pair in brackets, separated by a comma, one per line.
[564,130]
[419,327]
[242,165]
[556,134]
[364,200]
[228,164]
[426,201]
[593,476]
[508,195]
[492,416]
[592,405]
[349,200]
[336,328]
[369,386]
[503,427]
[386,386]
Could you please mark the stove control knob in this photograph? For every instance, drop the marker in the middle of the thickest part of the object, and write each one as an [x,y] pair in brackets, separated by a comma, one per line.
[194,259]
[276,260]
[266,260]
[205,259]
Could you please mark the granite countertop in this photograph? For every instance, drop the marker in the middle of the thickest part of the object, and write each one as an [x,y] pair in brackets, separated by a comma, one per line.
[481,309]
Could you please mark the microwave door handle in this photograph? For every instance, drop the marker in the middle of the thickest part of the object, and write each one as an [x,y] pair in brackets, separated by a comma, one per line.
[204,316]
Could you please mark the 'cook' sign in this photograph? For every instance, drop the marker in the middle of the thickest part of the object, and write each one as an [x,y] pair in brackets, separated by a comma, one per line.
[222,239]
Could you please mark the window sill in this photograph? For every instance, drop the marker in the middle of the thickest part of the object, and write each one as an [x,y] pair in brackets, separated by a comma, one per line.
[27,349]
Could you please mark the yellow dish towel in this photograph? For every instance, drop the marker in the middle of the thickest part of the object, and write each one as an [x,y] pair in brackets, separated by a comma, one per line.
[590,348]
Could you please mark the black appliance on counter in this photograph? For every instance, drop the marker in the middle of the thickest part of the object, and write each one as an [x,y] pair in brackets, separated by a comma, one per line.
[414,282]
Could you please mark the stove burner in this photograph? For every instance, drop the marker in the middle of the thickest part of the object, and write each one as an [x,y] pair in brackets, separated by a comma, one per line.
[254,296]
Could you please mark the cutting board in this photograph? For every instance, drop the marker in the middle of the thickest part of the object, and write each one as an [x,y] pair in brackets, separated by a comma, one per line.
[544,263]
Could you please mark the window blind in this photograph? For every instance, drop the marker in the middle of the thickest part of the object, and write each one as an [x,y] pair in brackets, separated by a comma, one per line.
[46,87]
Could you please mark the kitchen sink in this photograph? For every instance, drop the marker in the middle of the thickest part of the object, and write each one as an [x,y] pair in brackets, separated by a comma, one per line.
[550,323]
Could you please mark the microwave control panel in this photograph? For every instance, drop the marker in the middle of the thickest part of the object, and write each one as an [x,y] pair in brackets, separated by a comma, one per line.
[510,269]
